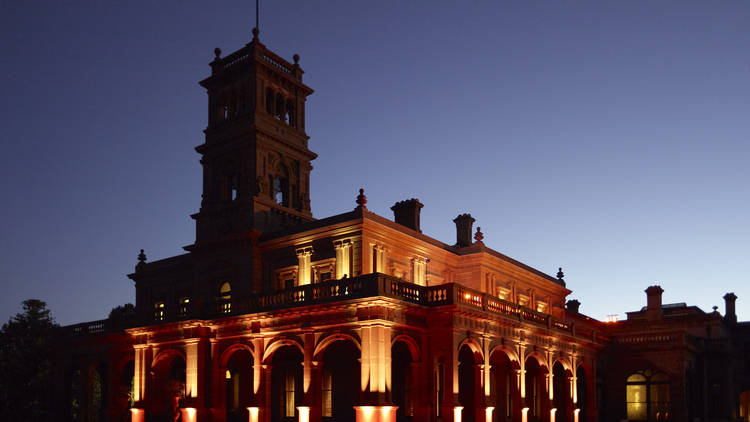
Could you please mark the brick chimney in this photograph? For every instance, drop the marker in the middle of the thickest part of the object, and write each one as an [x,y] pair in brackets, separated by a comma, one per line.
[464,223]
[407,212]
[730,315]
[653,304]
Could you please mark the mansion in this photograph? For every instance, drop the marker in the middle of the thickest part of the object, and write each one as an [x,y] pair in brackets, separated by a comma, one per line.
[272,315]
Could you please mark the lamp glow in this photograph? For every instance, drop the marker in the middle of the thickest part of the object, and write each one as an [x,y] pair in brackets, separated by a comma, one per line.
[304,413]
[365,413]
[575,415]
[552,414]
[457,413]
[137,415]
[488,413]
[252,414]
[525,414]
[188,414]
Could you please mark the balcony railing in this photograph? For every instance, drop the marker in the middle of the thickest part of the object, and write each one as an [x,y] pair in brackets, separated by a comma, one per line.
[373,285]
[366,286]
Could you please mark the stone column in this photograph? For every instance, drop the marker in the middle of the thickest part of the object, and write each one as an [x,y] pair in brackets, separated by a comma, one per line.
[518,400]
[264,398]
[375,375]
[217,403]
[141,379]
[479,398]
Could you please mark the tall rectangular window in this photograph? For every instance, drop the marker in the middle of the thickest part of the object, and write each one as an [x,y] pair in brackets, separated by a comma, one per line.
[304,270]
[327,394]
[289,394]
[343,258]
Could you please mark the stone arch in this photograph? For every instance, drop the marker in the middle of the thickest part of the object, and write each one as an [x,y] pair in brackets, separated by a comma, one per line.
[167,353]
[278,343]
[540,359]
[475,347]
[410,343]
[503,367]
[168,382]
[227,353]
[237,367]
[330,339]
[565,362]
[509,352]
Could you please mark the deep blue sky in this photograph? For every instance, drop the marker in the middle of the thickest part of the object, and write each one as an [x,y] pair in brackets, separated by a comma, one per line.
[611,138]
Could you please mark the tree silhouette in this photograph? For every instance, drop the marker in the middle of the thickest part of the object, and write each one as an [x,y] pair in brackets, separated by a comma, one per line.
[26,347]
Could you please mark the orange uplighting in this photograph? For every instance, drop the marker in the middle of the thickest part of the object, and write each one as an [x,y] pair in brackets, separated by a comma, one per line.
[137,415]
[525,414]
[188,414]
[252,413]
[609,319]
[575,415]
[457,411]
[375,413]
[488,413]
[366,412]
[304,413]
[552,414]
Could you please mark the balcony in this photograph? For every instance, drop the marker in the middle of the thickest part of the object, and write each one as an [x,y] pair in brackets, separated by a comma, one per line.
[362,287]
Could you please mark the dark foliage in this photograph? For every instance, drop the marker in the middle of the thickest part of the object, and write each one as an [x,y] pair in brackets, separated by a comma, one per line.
[26,348]
[124,312]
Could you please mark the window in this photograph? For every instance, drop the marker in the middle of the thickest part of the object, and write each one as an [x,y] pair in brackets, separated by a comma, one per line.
[225,297]
[280,112]
[233,188]
[290,114]
[280,194]
[233,389]
[326,276]
[327,394]
[647,396]
[288,394]
[184,304]
[159,311]
[269,100]
[289,283]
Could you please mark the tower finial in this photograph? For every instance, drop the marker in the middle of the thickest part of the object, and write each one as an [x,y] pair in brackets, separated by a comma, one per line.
[560,274]
[362,200]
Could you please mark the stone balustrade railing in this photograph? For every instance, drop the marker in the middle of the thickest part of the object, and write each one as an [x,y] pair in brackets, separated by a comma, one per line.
[369,285]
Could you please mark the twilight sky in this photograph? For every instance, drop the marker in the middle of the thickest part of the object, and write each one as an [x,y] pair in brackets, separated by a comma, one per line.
[611,138]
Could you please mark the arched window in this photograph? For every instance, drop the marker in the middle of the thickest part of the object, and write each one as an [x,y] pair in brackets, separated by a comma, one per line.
[647,396]
[225,297]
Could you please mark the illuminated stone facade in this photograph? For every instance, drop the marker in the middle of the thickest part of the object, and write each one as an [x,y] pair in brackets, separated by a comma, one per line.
[273,315]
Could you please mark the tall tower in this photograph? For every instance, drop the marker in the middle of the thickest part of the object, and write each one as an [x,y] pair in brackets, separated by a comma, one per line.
[256,163]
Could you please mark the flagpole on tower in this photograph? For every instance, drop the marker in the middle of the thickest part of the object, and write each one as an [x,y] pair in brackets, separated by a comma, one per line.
[256,14]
